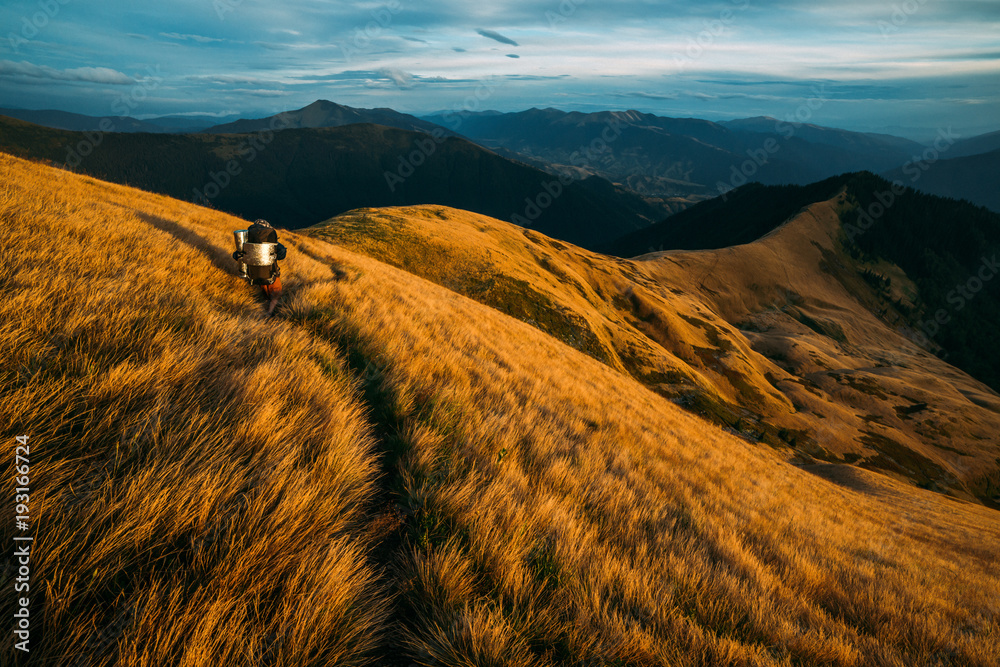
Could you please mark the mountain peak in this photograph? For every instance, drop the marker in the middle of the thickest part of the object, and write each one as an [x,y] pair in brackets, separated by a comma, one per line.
[323,104]
[752,120]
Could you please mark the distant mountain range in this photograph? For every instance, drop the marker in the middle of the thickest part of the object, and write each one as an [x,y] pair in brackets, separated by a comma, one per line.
[673,162]
[298,177]
[657,156]
[321,113]
[63,120]
[983,143]
[973,177]
[681,156]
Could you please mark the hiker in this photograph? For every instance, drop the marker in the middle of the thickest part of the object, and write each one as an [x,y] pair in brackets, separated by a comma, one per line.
[267,275]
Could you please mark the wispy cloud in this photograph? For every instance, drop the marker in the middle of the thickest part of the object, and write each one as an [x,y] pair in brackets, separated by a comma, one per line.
[201,39]
[272,46]
[230,79]
[256,92]
[493,34]
[89,74]
[645,96]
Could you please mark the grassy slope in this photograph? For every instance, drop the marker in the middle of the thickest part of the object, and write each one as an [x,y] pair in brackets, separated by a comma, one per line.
[545,508]
[760,337]
[199,475]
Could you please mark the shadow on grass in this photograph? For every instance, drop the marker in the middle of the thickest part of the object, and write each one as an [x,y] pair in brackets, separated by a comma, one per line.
[221,258]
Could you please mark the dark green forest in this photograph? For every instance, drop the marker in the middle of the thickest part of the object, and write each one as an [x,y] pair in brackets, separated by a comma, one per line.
[950,249]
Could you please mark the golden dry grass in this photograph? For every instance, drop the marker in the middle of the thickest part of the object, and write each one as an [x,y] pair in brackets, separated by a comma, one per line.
[197,470]
[204,478]
[763,337]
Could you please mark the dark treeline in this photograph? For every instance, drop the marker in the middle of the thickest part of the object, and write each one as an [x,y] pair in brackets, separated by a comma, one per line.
[950,250]
[740,216]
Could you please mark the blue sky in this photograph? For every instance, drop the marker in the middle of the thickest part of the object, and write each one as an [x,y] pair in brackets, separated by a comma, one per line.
[903,66]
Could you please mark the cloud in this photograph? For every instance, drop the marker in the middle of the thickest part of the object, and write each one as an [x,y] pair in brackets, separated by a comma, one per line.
[229,79]
[201,39]
[645,96]
[513,55]
[619,53]
[969,55]
[272,46]
[256,92]
[492,34]
[89,74]
[397,76]
[416,39]
[533,77]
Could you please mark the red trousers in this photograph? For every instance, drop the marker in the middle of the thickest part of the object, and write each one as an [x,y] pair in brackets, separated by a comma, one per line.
[272,291]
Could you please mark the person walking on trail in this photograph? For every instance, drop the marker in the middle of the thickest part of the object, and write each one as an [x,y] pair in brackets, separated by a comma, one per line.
[268,276]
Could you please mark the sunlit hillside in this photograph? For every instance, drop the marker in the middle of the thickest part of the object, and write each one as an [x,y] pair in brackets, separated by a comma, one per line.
[390,472]
[770,338]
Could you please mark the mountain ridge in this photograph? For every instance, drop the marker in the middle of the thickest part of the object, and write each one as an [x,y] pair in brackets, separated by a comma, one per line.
[905,231]
[324,113]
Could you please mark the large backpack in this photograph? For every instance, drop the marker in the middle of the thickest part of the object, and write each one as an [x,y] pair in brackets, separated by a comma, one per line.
[258,233]
[263,275]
